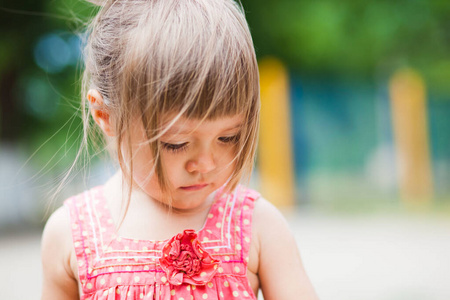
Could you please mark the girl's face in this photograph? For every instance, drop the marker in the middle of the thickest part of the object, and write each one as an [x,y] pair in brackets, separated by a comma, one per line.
[197,157]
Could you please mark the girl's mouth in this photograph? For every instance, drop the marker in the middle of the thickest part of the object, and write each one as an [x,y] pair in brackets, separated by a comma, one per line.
[194,187]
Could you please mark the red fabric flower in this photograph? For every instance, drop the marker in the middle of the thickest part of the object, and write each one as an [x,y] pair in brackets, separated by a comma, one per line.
[185,260]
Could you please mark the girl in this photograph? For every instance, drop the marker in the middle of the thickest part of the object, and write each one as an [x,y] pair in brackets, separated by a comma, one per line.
[173,86]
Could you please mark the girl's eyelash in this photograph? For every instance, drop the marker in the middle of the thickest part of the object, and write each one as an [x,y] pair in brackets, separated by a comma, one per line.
[180,147]
[174,147]
[229,139]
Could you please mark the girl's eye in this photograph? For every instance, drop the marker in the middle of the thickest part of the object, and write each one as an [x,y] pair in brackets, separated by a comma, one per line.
[174,147]
[229,139]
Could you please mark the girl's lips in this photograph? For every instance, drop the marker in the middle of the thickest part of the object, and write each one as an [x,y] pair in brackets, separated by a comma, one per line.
[195,187]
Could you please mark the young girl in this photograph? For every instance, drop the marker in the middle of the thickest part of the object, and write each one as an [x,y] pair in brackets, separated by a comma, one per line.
[173,86]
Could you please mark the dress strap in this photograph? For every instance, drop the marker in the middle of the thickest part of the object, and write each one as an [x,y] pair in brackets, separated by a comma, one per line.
[227,233]
[91,230]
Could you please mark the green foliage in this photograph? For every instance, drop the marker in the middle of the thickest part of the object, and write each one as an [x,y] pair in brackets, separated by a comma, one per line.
[353,38]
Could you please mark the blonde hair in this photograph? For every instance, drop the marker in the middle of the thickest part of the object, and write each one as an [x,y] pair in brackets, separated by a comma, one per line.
[194,58]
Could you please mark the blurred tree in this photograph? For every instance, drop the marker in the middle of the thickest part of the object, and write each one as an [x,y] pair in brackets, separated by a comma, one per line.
[17,33]
[354,37]
[39,56]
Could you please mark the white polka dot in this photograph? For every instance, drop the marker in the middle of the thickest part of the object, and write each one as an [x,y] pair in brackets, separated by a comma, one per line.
[238,247]
[136,279]
[237,228]
[172,292]
[235,294]
[105,293]
[227,258]
[76,244]
[208,231]
[193,287]
[220,270]
[119,279]
[246,294]
[218,225]
[216,249]
[245,207]
[141,296]
[205,296]
[221,294]
[89,285]
[246,221]
[227,235]
[84,233]
[221,209]
[163,279]
[236,269]
[210,284]
[111,269]
[102,282]
[210,216]
[146,268]
[226,284]
[181,298]
[144,248]
[188,287]
[128,268]
[203,274]
[117,291]
[247,239]
[95,273]
[205,239]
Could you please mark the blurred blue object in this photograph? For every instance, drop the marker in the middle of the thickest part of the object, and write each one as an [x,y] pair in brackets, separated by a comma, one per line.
[53,53]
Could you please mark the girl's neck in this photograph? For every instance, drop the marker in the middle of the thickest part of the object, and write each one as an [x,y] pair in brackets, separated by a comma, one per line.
[143,213]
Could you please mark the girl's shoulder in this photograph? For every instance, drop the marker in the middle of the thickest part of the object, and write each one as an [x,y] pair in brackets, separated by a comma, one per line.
[266,216]
[56,255]
[57,231]
[279,263]
[268,224]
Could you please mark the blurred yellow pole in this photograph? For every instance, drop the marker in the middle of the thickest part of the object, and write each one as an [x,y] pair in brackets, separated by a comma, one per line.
[409,118]
[275,147]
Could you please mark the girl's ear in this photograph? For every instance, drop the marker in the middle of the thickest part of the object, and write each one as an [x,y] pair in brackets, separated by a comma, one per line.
[100,112]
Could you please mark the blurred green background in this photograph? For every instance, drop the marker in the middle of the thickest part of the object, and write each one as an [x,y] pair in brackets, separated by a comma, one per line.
[340,55]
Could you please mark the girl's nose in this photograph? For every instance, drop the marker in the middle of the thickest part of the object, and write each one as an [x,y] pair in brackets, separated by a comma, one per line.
[202,163]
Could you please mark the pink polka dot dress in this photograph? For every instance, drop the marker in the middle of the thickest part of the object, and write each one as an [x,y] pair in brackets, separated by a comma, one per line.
[208,264]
